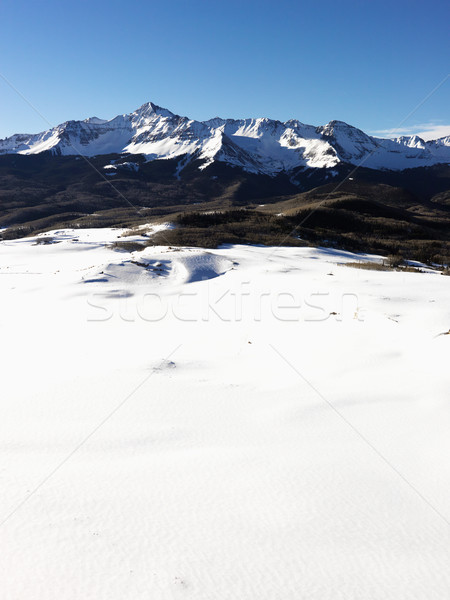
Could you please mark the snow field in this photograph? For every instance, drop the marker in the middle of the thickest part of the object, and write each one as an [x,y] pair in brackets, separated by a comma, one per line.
[261,445]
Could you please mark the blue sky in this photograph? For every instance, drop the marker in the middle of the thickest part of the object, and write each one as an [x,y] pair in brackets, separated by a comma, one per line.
[367,63]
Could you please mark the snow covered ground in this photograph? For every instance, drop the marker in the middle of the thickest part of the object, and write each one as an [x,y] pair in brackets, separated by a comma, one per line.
[241,424]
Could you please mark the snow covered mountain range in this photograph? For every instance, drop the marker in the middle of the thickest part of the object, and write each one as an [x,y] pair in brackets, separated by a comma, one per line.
[256,145]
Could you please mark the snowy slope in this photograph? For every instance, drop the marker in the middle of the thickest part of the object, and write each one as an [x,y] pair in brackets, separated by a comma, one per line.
[256,145]
[224,473]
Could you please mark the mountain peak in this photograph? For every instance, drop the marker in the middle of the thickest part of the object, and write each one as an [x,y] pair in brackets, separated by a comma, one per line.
[412,141]
[149,108]
[337,123]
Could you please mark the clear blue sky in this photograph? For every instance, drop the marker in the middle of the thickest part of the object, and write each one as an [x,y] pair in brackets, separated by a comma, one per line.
[368,63]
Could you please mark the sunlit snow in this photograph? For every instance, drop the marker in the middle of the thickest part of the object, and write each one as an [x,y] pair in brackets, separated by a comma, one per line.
[241,423]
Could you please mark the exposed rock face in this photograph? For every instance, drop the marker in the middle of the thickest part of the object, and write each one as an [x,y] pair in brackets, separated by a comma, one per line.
[256,145]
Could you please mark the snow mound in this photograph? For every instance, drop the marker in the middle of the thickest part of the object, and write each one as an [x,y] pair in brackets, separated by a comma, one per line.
[181,266]
[127,272]
[199,265]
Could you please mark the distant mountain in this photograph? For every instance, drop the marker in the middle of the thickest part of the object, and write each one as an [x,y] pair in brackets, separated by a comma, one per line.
[261,146]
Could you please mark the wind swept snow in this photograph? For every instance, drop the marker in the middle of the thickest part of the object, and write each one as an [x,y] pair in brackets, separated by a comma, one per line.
[242,423]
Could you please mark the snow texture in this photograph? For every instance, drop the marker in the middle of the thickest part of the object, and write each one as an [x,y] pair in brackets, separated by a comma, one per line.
[282,430]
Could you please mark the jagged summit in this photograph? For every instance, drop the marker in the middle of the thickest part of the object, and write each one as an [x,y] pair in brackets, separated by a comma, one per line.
[258,145]
[413,141]
[149,108]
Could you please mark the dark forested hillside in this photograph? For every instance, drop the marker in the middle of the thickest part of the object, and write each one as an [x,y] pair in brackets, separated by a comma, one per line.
[370,210]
